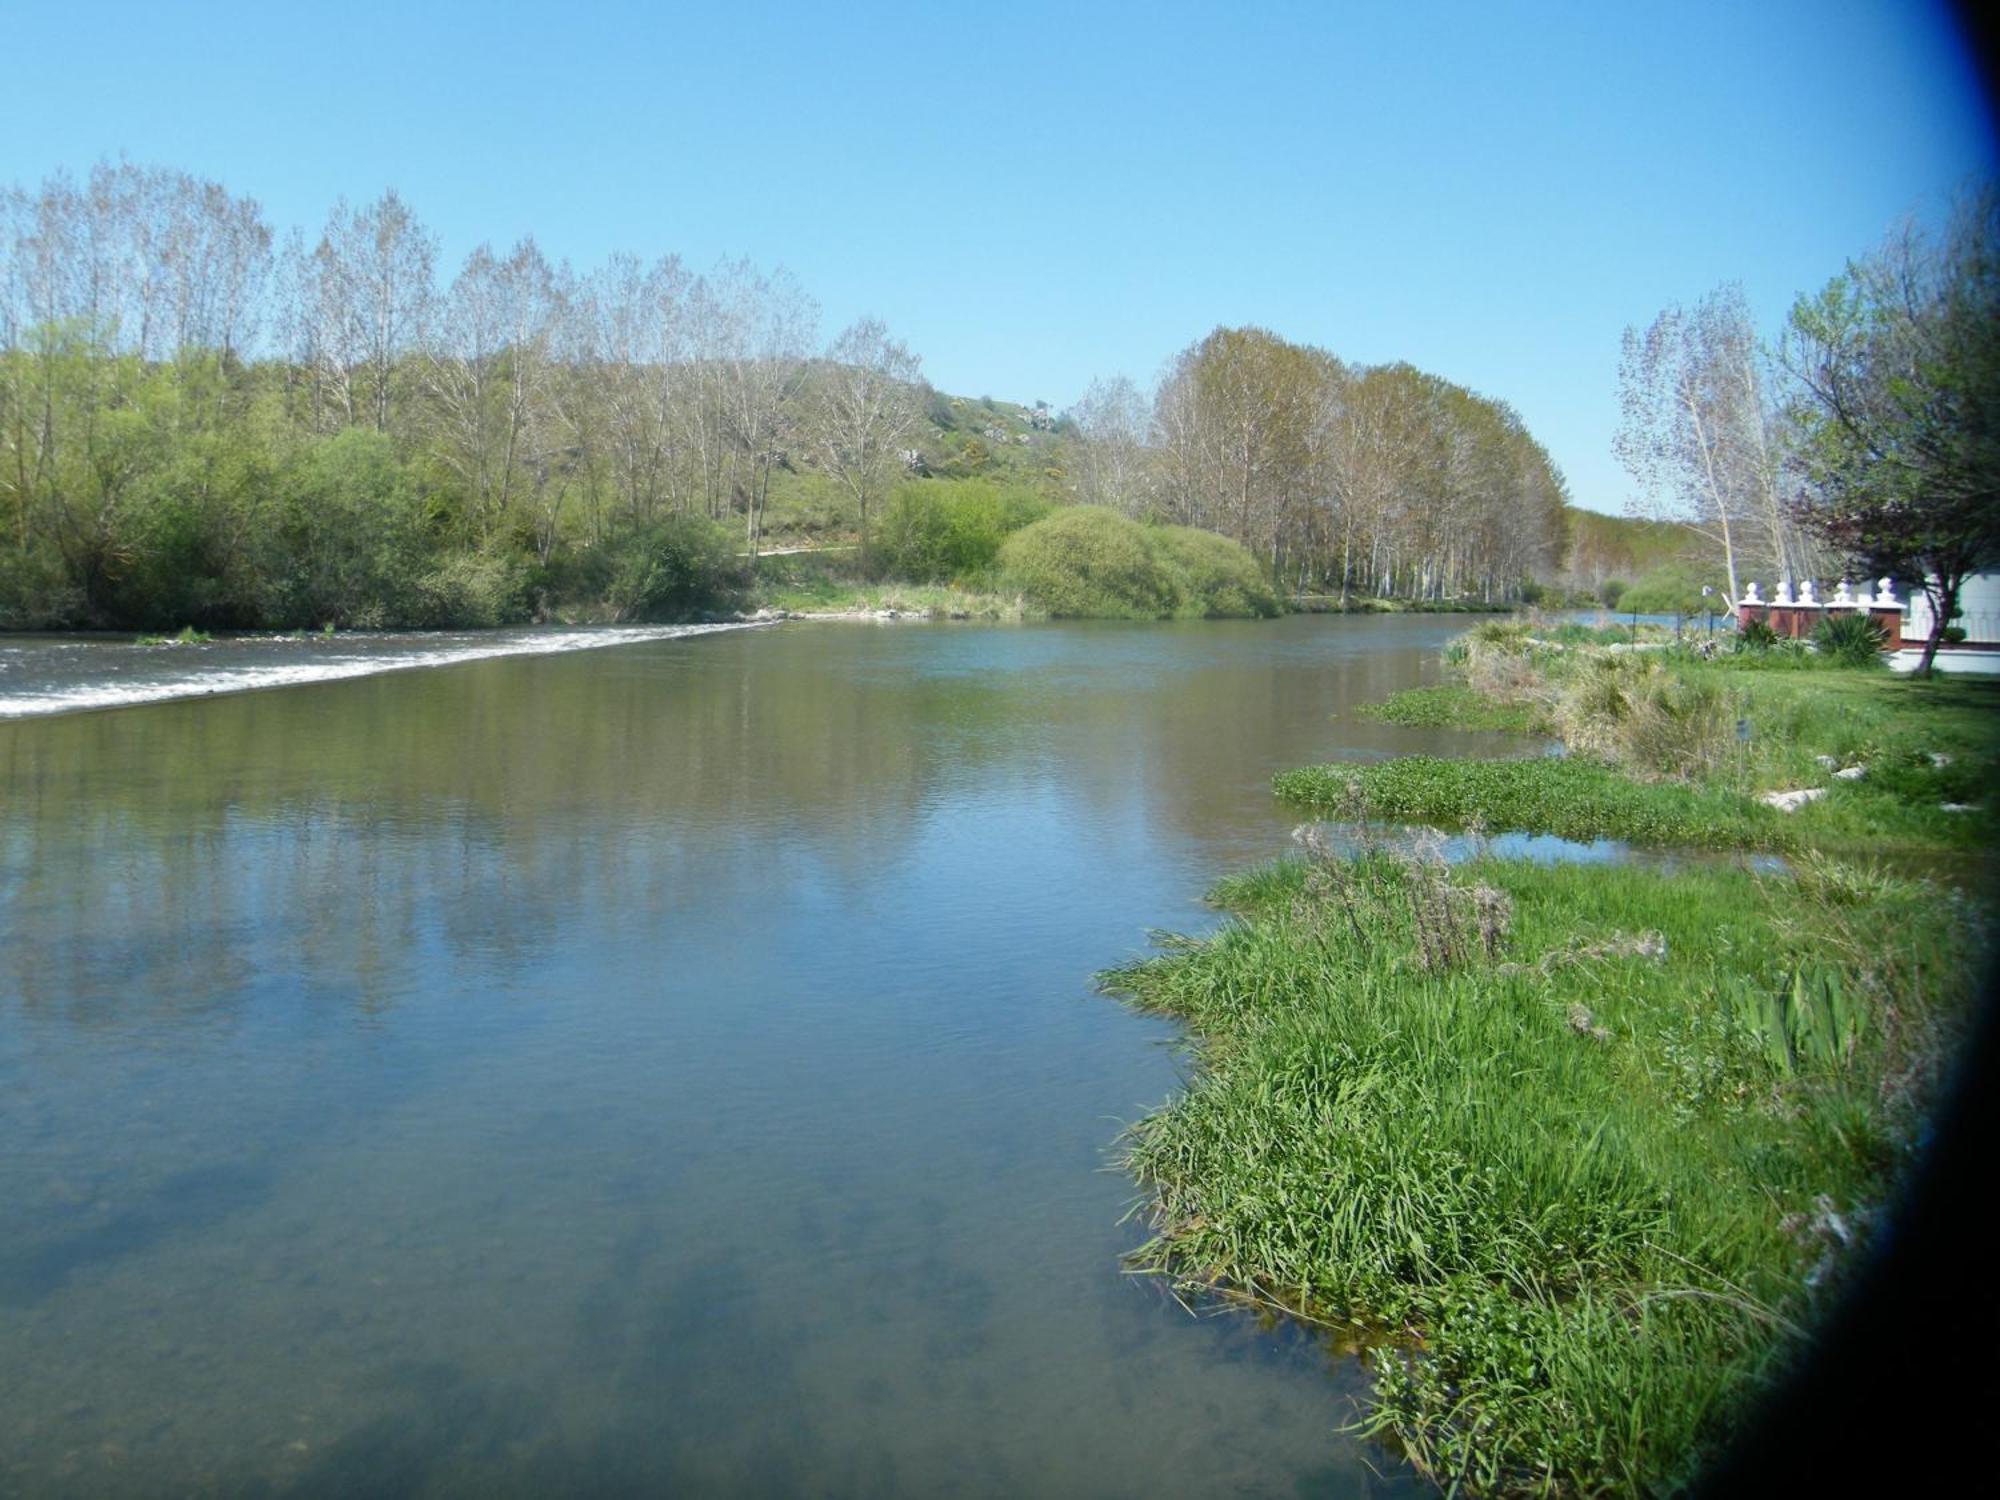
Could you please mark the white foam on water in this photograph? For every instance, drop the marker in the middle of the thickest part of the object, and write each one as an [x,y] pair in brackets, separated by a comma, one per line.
[201,683]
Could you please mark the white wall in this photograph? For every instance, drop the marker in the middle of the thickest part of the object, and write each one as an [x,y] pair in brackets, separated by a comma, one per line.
[1980,601]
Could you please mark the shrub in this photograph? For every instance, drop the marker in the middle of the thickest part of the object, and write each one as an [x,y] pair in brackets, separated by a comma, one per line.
[1610,591]
[349,540]
[1853,639]
[1674,589]
[1088,562]
[474,590]
[1756,635]
[1216,578]
[942,530]
[673,568]
[35,592]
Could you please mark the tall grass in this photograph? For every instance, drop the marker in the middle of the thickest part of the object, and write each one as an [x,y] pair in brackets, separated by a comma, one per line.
[1563,1140]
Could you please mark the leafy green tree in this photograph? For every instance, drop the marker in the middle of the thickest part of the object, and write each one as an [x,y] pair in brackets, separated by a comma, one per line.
[1898,360]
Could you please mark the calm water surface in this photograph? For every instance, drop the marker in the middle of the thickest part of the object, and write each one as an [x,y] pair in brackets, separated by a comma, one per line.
[673,1065]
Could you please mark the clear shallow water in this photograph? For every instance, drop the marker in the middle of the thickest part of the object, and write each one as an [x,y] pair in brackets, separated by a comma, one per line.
[667,1065]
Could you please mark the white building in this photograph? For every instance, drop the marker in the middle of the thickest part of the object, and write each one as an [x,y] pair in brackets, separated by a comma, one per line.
[1978,617]
[1979,612]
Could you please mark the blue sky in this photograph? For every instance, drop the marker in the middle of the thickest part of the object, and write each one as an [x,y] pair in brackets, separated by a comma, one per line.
[1031,195]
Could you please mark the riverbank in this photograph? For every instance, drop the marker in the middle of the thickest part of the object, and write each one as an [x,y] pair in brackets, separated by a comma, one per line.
[1580,1155]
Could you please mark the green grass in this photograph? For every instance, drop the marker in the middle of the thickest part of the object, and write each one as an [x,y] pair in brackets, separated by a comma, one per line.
[1560,1143]
[187,635]
[1455,706]
[1574,799]
[1669,749]
[1577,1155]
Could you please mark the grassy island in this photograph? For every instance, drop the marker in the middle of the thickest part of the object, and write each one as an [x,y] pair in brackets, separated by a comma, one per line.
[1579,1153]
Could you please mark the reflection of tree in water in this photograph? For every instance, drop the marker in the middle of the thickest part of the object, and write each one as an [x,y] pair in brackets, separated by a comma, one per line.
[187,856]
[306,1122]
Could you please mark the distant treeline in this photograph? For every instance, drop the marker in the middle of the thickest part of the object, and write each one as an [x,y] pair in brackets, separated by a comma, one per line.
[1342,478]
[203,422]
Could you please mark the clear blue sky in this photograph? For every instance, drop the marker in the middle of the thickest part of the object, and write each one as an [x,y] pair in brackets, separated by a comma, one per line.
[1035,194]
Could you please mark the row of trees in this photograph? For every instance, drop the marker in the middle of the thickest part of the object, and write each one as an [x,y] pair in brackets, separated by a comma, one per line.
[1345,478]
[1866,437]
[202,419]
[170,370]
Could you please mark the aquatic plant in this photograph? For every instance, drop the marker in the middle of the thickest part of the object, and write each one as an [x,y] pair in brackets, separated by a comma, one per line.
[1550,1140]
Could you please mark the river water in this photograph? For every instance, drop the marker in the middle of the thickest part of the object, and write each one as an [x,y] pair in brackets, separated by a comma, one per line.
[671,1065]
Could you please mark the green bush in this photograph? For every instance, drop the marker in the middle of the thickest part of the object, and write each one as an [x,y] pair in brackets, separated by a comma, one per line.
[1853,639]
[1674,589]
[1087,562]
[35,591]
[1215,576]
[1610,591]
[673,568]
[946,530]
[470,589]
[1756,634]
[350,539]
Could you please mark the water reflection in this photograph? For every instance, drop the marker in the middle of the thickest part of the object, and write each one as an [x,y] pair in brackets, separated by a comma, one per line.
[665,1065]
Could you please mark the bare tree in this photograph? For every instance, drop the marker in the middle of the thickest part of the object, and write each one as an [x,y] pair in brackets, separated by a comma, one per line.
[761,327]
[1113,422]
[865,404]
[1697,432]
[372,273]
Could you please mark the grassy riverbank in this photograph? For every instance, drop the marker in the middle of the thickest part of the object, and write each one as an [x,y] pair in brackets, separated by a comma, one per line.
[1578,1153]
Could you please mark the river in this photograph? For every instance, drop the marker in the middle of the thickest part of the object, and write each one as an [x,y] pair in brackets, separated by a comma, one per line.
[667,1065]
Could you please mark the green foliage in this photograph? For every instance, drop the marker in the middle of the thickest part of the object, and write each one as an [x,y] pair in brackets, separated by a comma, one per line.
[1570,797]
[943,530]
[1452,705]
[1087,562]
[469,589]
[1564,1139]
[676,567]
[36,592]
[1213,576]
[1756,634]
[1850,638]
[1656,756]
[1610,591]
[1672,589]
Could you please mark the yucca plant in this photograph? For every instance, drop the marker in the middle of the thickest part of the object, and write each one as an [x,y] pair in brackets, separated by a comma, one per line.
[1852,639]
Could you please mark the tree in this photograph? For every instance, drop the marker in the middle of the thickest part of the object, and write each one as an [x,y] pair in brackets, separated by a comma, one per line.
[1112,425]
[753,333]
[1696,433]
[867,402]
[1898,361]
[369,295]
